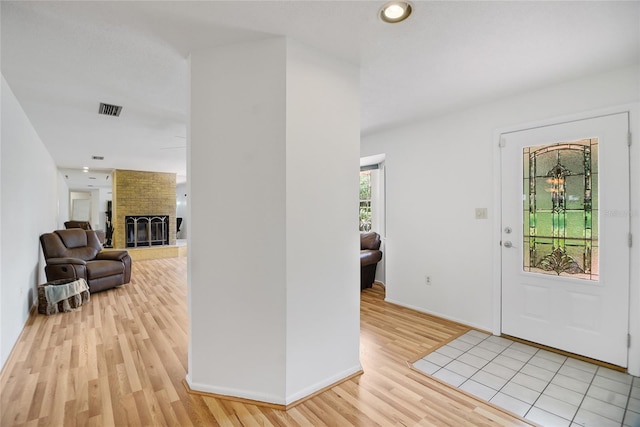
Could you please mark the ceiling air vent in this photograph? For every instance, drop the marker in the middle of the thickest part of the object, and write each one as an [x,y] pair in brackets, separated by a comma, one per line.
[109,109]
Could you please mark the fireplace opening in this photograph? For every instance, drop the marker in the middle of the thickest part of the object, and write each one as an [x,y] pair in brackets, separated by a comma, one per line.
[147,230]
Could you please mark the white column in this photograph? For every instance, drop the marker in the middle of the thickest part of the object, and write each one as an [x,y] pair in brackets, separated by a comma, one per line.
[273,152]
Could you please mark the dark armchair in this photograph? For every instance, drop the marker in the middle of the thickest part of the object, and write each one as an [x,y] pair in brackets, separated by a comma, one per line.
[370,256]
[77,253]
[85,225]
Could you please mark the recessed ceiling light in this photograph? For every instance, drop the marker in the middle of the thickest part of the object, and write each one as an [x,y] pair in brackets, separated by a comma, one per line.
[395,11]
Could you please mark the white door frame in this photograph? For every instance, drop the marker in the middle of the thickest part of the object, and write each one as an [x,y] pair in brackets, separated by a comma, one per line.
[634,285]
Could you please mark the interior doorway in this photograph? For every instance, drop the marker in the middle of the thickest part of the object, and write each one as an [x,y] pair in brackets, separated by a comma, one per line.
[372,212]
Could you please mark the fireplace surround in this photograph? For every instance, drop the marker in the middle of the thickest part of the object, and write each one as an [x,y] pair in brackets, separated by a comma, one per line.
[143,194]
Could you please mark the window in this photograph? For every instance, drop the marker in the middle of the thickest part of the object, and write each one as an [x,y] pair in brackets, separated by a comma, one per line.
[365,200]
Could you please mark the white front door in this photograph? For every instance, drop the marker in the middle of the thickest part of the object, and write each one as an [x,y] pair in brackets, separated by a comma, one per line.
[565,236]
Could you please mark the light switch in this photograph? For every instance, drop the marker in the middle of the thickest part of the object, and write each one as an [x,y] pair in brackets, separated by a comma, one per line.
[481,213]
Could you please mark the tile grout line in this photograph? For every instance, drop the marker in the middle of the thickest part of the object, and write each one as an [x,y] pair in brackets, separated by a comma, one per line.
[545,387]
[626,408]
[508,380]
[514,375]
[477,369]
[584,395]
[520,370]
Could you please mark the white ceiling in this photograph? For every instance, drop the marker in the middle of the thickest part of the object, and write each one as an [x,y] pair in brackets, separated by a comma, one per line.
[62,58]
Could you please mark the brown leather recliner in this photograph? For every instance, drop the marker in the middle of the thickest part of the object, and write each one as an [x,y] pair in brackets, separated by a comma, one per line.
[370,256]
[77,253]
[85,225]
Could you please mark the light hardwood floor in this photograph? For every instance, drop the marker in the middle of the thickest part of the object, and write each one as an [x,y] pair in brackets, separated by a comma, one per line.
[121,359]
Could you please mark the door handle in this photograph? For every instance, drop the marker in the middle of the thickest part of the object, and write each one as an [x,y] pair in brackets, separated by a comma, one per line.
[507,244]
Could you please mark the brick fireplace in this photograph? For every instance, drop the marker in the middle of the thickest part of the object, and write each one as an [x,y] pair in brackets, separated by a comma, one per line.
[138,194]
[146,230]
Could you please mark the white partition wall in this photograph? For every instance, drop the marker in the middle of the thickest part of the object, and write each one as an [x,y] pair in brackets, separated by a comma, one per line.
[29,207]
[273,154]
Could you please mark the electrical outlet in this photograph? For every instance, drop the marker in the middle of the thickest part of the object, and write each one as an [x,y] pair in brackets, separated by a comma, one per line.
[427,280]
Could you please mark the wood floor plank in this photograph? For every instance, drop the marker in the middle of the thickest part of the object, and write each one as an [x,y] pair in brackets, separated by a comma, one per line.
[121,360]
[164,405]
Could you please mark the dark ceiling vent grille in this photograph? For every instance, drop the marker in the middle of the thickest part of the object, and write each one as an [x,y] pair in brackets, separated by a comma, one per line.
[109,109]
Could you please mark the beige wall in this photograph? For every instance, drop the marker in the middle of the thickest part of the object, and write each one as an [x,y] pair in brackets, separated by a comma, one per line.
[142,193]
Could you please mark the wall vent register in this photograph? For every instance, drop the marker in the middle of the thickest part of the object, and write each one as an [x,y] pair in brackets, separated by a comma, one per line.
[109,109]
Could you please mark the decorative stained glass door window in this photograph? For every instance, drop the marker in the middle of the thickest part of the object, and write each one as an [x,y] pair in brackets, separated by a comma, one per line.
[560,187]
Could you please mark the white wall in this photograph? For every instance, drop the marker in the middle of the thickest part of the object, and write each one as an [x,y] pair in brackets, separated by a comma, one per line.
[3,353]
[104,195]
[439,170]
[29,207]
[97,211]
[88,206]
[63,201]
[273,266]
[98,206]
[322,239]
[236,177]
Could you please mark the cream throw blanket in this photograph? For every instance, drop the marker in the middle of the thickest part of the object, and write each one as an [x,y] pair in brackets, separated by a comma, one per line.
[55,294]
[70,295]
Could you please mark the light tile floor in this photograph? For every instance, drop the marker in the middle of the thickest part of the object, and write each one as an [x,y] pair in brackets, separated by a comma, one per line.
[545,387]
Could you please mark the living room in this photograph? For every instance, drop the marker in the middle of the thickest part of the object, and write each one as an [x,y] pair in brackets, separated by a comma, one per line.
[439,170]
